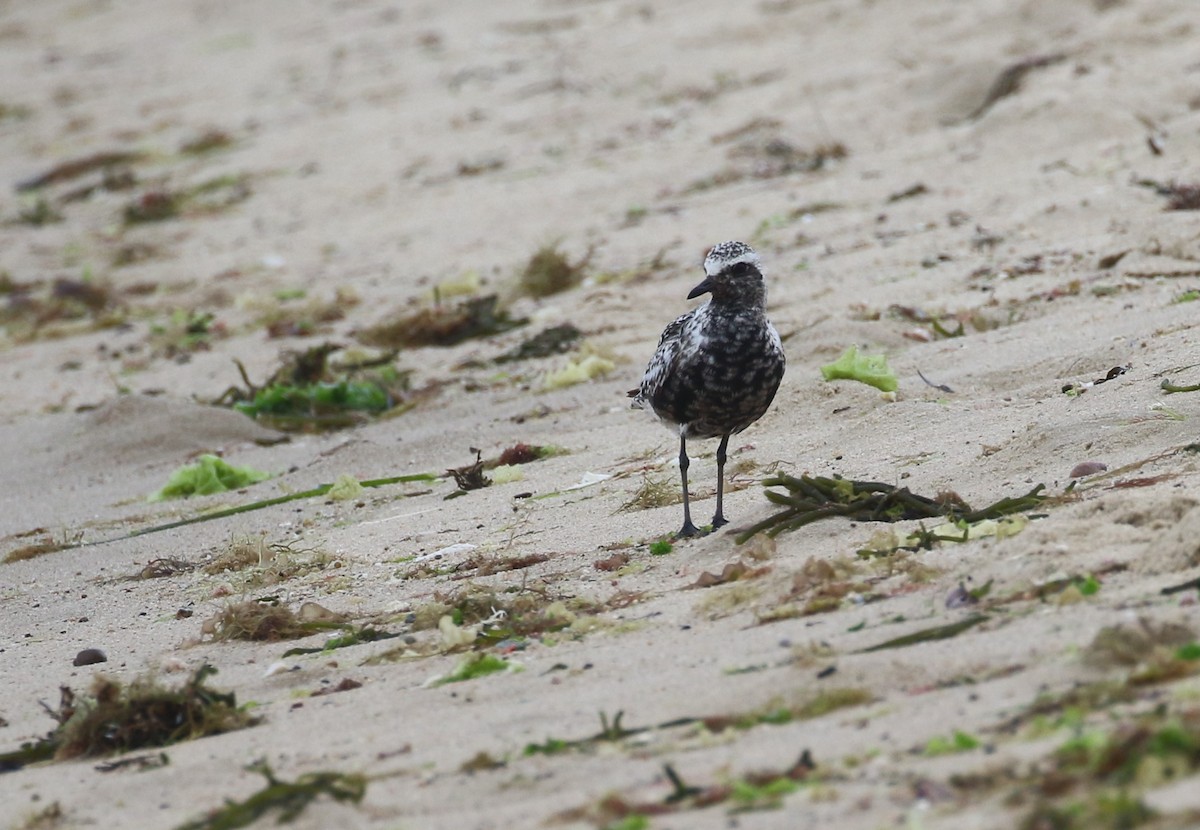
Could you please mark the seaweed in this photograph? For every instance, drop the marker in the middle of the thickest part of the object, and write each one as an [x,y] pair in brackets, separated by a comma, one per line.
[63,306]
[262,621]
[926,635]
[1179,196]
[1149,751]
[289,798]
[75,168]
[210,474]
[869,369]
[1169,387]
[959,741]
[757,790]
[811,498]
[476,665]
[206,142]
[551,341]
[578,369]
[442,325]
[353,637]
[776,714]
[470,476]
[207,197]
[116,718]
[307,393]
[549,271]
[1009,80]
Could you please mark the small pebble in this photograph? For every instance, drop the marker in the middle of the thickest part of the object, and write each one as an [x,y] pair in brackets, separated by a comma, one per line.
[90,656]
[1088,468]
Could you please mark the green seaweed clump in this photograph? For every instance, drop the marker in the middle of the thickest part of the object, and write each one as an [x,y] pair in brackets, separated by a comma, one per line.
[869,369]
[315,401]
[290,798]
[208,475]
[476,665]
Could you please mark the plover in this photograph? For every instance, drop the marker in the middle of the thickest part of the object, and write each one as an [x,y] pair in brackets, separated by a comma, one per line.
[717,368]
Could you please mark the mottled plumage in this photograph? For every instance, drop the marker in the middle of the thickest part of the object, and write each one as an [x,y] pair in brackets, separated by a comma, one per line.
[717,368]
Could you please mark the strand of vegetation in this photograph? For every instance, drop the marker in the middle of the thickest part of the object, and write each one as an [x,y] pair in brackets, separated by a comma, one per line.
[114,717]
[811,498]
[254,505]
[1169,387]
[290,798]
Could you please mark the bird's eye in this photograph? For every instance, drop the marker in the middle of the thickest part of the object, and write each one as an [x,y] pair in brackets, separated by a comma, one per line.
[739,269]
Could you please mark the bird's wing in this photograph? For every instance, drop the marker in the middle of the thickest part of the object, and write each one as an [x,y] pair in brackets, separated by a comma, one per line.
[663,361]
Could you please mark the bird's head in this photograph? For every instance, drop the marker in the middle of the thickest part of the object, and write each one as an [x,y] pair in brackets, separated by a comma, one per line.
[733,275]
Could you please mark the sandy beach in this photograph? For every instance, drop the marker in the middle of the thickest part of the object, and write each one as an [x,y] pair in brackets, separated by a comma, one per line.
[999,197]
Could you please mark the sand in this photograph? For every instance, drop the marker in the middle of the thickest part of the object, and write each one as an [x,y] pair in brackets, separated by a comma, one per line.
[379,150]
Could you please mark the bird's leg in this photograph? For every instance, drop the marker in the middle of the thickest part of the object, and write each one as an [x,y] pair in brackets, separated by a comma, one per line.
[719,517]
[688,529]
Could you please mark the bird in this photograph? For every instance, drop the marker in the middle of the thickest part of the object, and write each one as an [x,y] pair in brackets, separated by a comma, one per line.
[717,368]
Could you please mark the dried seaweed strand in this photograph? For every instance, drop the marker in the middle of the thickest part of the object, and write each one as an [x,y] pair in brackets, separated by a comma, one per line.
[811,498]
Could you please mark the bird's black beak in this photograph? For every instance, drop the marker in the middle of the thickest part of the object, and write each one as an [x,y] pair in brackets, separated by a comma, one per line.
[703,288]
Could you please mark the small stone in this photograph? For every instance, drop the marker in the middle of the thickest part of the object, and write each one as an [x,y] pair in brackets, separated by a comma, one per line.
[1088,468]
[89,656]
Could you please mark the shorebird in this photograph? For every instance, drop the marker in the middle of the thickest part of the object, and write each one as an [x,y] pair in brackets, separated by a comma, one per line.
[717,368]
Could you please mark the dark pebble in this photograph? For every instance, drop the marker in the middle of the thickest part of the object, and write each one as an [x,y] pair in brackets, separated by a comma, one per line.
[89,656]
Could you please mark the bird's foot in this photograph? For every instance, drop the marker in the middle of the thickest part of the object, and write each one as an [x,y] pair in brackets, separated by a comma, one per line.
[719,521]
[688,530]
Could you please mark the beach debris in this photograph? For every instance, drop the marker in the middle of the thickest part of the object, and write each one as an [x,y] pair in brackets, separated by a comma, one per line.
[441,324]
[162,566]
[1169,387]
[1110,260]
[869,369]
[141,763]
[471,476]
[552,341]
[549,271]
[1009,80]
[732,572]
[89,656]
[1075,389]
[757,790]
[206,142]
[812,498]
[309,394]
[266,619]
[346,684]
[586,366]
[654,491]
[352,637]
[288,798]
[958,741]
[1087,468]
[73,169]
[65,305]
[118,718]
[1179,196]
[293,313]
[208,197]
[209,474]
[918,189]
[926,635]
[761,149]
[479,664]
[941,387]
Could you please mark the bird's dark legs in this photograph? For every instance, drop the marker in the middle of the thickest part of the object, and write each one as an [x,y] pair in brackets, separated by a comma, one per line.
[688,529]
[719,517]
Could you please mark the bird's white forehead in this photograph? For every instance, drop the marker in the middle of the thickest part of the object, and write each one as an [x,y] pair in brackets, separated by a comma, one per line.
[728,253]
